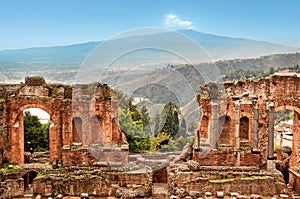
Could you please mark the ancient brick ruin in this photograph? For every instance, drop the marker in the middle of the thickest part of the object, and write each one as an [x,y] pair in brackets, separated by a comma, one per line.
[232,151]
[237,123]
[84,126]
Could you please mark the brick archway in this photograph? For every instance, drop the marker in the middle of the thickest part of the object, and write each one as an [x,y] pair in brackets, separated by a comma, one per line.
[295,157]
[251,105]
[16,138]
[63,103]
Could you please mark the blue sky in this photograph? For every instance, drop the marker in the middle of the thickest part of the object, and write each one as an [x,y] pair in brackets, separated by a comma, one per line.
[33,23]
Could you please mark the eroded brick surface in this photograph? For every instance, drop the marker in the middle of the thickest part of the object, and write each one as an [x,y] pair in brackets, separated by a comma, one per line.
[80,115]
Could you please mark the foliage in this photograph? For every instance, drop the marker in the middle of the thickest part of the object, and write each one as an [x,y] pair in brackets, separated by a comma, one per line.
[242,74]
[283,115]
[159,140]
[35,132]
[171,145]
[171,125]
[134,121]
[145,118]
[154,92]
[137,138]
[291,115]
[121,98]
[133,110]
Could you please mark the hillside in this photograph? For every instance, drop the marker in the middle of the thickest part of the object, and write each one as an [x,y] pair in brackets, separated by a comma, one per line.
[217,47]
[180,83]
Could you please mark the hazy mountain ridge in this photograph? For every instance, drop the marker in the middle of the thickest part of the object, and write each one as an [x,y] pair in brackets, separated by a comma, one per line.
[217,47]
[172,78]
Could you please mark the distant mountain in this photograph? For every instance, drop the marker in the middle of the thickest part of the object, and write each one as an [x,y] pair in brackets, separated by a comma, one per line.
[72,54]
[217,48]
[225,48]
[180,83]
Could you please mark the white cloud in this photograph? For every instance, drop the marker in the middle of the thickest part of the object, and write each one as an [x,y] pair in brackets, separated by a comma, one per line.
[173,21]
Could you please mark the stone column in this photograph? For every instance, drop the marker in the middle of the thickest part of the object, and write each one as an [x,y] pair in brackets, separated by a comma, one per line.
[196,140]
[214,135]
[271,132]
[236,125]
[255,125]
[294,161]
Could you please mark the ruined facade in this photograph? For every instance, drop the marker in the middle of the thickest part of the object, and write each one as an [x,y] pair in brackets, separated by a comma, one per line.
[84,126]
[237,124]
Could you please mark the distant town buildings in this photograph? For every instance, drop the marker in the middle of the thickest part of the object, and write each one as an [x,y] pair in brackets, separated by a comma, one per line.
[283,134]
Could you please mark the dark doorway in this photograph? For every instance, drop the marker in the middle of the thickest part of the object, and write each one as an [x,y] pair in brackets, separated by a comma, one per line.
[28,180]
[159,175]
[77,129]
[244,128]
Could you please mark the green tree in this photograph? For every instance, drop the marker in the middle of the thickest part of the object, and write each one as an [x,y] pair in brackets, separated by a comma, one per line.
[121,98]
[136,137]
[171,125]
[145,117]
[35,132]
[159,140]
[133,110]
[272,71]
[156,123]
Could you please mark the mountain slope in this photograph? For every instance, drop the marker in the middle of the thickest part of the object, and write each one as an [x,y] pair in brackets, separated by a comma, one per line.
[72,53]
[217,47]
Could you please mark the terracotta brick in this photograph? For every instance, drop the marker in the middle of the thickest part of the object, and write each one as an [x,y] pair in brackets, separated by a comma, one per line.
[95,110]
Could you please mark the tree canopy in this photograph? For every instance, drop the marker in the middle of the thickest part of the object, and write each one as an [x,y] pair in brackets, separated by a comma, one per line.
[35,132]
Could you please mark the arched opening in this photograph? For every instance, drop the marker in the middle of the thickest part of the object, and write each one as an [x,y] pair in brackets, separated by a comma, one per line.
[160,175]
[283,127]
[28,180]
[77,129]
[244,128]
[95,130]
[283,140]
[224,138]
[36,124]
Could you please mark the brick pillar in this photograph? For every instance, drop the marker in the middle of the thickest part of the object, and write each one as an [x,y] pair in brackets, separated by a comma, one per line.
[196,139]
[271,132]
[214,135]
[296,141]
[255,125]
[236,125]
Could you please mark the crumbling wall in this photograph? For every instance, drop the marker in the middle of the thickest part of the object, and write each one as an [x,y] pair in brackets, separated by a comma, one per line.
[92,104]
[99,183]
[189,178]
[12,188]
[228,157]
[97,156]
[249,106]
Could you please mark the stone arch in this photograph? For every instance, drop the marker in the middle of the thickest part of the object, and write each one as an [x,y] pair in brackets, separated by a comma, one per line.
[244,128]
[96,130]
[292,108]
[16,137]
[225,134]
[28,179]
[77,129]
[295,159]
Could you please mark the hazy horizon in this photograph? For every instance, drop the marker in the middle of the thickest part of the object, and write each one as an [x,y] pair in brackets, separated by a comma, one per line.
[58,23]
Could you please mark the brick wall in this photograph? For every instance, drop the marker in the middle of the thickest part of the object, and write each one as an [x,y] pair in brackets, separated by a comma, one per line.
[228,158]
[98,183]
[95,157]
